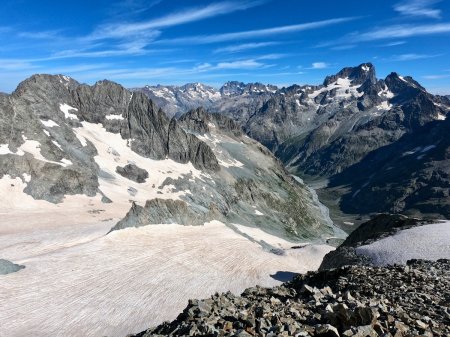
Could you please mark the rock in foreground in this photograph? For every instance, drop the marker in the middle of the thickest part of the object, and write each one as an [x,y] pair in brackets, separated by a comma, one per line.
[7,267]
[412,300]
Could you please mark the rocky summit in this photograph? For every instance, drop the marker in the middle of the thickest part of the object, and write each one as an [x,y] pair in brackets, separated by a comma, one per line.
[411,300]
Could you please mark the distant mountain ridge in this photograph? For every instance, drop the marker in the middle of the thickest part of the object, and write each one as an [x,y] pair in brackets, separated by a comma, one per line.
[177,100]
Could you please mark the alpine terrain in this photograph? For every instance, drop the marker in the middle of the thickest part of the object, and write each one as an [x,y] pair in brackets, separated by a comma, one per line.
[223,168]
[327,132]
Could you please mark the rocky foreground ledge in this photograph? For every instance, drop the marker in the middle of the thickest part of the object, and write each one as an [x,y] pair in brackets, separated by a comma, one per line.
[411,300]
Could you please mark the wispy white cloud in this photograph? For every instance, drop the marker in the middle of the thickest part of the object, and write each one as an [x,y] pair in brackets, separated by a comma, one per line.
[391,32]
[96,53]
[282,73]
[244,47]
[129,8]
[245,64]
[344,47]
[125,30]
[418,8]
[239,64]
[177,61]
[393,44]
[273,56]
[436,77]
[402,31]
[250,34]
[15,64]
[5,29]
[42,35]
[319,65]
[131,38]
[412,57]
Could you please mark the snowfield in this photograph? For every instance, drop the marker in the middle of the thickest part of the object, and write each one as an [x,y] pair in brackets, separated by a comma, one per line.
[431,242]
[78,281]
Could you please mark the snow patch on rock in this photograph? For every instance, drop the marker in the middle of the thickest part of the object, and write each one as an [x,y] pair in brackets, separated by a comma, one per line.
[4,149]
[49,123]
[65,108]
[114,117]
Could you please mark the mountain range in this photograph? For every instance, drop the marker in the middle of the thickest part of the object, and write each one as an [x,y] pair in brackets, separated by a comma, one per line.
[60,138]
[325,132]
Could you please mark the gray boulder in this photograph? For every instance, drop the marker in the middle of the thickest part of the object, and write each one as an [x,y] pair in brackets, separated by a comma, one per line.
[133,172]
[7,267]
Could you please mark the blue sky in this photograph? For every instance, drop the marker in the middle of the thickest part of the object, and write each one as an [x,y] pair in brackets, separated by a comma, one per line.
[138,42]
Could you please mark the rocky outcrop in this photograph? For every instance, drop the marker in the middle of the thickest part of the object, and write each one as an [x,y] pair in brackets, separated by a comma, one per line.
[381,226]
[60,137]
[132,172]
[350,301]
[7,267]
[199,121]
[234,99]
[321,130]
[160,211]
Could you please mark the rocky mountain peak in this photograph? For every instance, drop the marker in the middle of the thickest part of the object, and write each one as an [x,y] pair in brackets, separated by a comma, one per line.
[398,83]
[45,82]
[365,72]
[232,88]
[199,87]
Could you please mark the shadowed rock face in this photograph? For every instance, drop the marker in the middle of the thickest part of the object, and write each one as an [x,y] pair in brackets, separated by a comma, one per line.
[411,176]
[321,130]
[160,211]
[199,121]
[347,126]
[358,75]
